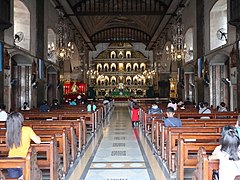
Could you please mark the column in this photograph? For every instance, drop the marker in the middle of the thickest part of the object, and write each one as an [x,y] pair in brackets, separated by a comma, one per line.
[200,46]
[40,49]
[5,23]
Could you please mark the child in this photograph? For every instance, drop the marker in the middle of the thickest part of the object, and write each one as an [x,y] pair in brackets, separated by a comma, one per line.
[135,114]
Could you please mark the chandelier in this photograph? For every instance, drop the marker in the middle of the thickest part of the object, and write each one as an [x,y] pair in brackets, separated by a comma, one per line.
[65,48]
[178,48]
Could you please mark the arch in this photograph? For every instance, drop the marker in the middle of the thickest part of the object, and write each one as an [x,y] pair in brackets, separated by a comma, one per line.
[128,54]
[135,67]
[218,59]
[189,44]
[22,60]
[22,23]
[99,67]
[113,55]
[218,20]
[106,80]
[143,66]
[106,67]
[113,67]
[128,80]
[113,80]
[51,69]
[128,66]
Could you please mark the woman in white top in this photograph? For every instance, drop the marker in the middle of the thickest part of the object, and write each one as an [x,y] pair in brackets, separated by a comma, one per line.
[229,156]
[172,104]
[3,114]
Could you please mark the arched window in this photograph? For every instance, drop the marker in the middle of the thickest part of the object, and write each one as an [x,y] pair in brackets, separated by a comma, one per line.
[51,45]
[21,25]
[218,24]
[189,44]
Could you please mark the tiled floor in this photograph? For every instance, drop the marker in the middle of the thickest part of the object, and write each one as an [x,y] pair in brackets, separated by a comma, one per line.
[118,152]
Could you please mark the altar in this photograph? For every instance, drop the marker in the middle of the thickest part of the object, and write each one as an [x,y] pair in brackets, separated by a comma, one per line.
[72,89]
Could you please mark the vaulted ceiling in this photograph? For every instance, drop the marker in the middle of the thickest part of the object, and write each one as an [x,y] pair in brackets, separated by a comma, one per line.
[119,20]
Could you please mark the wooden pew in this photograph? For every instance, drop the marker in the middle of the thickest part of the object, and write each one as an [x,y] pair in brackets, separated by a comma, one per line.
[79,128]
[62,146]
[188,134]
[205,167]
[52,161]
[28,165]
[187,154]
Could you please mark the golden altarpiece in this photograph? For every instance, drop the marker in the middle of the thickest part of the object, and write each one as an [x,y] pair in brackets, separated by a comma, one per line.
[120,72]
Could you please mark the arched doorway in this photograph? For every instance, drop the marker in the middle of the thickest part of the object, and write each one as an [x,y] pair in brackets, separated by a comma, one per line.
[21,72]
[189,82]
[52,81]
[218,69]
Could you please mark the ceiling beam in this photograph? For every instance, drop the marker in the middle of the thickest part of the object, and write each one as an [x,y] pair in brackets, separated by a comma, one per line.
[165,21]
[125,8]
[76,22]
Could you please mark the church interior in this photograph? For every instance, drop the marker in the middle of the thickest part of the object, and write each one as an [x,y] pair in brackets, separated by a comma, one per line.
[124,53]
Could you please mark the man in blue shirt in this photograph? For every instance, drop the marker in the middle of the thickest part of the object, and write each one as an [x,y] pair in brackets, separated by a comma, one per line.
[171,120]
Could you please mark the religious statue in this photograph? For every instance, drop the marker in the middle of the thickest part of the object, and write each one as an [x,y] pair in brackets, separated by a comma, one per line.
[74,88]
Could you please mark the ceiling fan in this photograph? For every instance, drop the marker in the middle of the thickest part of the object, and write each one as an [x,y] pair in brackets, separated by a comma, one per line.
[18,37]
[222,34]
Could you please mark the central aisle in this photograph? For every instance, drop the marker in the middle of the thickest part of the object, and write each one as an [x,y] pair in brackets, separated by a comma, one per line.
[120,153]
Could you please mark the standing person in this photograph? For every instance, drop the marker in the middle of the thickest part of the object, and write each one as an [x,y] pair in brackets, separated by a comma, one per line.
[3,114]
[171,120]
[229,156]
[18,138]
[135,114]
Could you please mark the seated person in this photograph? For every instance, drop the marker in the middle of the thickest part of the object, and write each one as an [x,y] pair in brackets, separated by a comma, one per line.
[222,107]
[91,107]
[180,102]
[18,139]
[172,104]
[3,114]
[44,107]
[228,155]
[171,120]
[224,130]
[55,104]
[204,109]
[72,102]
[25,107]
[155,109]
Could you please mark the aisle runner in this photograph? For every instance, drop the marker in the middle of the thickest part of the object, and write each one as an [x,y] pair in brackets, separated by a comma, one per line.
[119,156]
